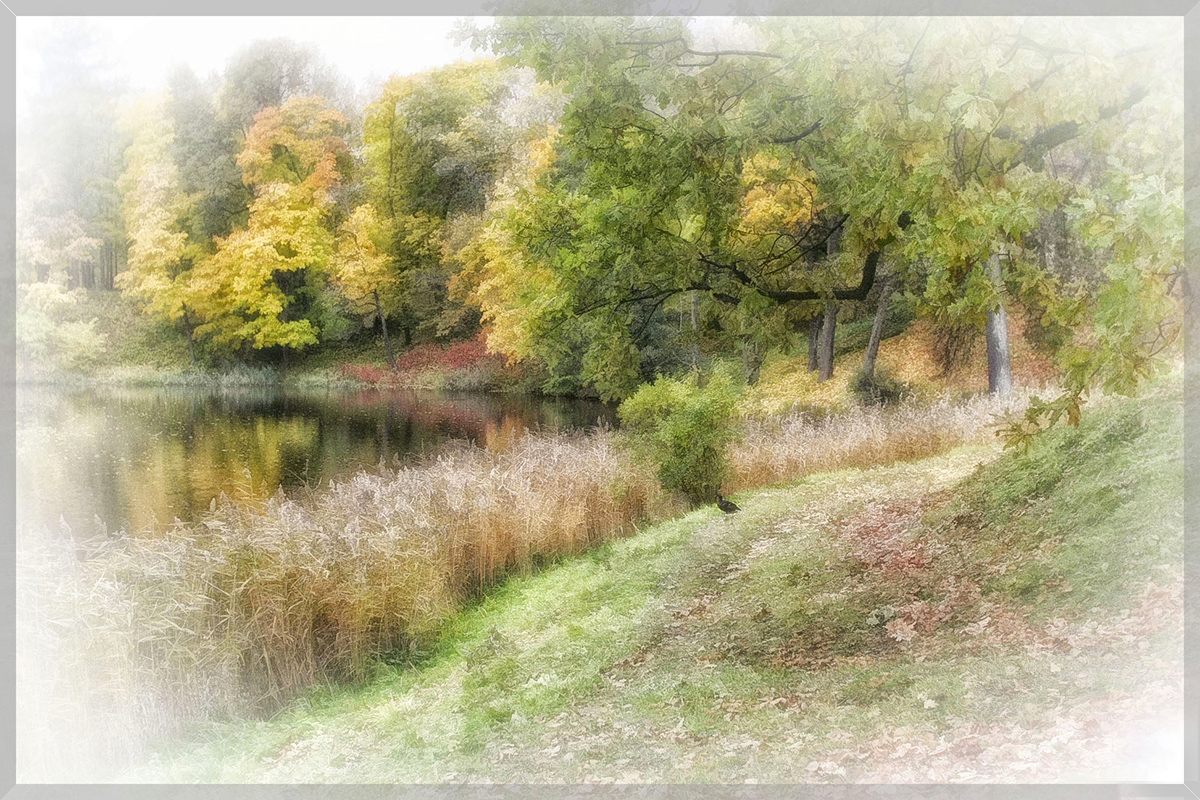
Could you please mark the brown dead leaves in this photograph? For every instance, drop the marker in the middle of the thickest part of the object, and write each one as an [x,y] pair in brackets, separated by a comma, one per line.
[880,536]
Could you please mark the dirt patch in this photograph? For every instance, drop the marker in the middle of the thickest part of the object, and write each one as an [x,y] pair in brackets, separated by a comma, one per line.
[881,537]
[1118,737]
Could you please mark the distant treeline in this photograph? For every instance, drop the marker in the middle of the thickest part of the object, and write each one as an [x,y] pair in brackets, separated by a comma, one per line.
[609,200]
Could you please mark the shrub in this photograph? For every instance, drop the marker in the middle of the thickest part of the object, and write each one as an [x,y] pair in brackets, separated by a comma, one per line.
[363,373]
[47,335]
[683,430]
[877,388]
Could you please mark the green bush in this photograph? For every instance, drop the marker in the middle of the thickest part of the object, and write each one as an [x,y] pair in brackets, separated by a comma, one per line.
[877,389]
[46,333]
[683,430]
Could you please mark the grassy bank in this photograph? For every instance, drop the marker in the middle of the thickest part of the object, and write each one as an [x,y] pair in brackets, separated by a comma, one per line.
[242,611]
[960,618]
[132,349]
[128,348]
[844,603]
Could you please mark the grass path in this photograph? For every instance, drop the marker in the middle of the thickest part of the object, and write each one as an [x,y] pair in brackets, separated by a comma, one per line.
[966,617]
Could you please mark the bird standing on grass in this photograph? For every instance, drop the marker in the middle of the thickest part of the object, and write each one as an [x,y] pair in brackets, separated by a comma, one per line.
[726,506]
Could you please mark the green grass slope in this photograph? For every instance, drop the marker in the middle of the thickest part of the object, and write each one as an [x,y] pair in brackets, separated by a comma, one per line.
[972,616]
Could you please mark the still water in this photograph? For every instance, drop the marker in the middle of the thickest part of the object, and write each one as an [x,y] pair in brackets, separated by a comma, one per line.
[111,458]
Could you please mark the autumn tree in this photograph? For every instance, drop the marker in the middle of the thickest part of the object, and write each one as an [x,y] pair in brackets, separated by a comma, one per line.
[646,198]
[255,289]
[434,146]
[158,261]
[928,137]
[270,72]
[362,273]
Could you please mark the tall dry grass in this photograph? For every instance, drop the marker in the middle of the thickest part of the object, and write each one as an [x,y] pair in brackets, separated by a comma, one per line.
[242,610]
[787,448]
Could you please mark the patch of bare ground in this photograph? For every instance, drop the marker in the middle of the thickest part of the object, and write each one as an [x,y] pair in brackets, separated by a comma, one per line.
[1117,736]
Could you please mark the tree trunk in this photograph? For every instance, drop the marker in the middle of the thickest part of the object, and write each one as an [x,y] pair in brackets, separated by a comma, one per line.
[825,350]
[387,343]
[829,325]
[999,365]
[187,326]
[695,330]
[751,360]
[814,336]
[885,294]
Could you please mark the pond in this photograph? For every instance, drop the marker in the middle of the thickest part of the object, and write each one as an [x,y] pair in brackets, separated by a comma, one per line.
[101,459]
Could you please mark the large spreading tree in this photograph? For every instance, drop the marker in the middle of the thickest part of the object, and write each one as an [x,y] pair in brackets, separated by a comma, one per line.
[925,143]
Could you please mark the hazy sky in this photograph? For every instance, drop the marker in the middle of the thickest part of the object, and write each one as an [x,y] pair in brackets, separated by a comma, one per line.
[145,48]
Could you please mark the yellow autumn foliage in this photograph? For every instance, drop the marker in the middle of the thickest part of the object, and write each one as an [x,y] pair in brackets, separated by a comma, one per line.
[779,196]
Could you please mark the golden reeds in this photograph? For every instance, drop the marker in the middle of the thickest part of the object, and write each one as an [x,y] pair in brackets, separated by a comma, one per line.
[251,604]
[790,447]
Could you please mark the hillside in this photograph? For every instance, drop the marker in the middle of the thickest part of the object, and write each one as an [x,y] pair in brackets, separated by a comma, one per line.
[973,616]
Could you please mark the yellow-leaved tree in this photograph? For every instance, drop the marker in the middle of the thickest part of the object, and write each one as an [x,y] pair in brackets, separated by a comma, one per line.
[159,263]
[511,290]
[362,269]
[254,291]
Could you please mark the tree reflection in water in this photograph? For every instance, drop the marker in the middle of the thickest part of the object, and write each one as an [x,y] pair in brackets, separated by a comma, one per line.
[133,458]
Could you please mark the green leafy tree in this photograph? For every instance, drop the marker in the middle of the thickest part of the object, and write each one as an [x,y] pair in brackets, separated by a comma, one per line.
[434,146]
[930,137]
[47,332]
[205,148]
[270,72]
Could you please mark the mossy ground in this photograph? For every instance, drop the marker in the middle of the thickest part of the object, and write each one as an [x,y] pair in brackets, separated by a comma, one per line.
[971,616]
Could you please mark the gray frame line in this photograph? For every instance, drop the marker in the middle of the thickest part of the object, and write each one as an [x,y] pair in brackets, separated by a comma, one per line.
[1186,10]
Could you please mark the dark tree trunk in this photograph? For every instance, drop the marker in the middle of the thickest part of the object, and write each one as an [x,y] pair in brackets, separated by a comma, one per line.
[187,327]
[885,294]
[751,360]
[387,343]
[825,351]
[999,364]
[814,336]
[829,325]
[695,330]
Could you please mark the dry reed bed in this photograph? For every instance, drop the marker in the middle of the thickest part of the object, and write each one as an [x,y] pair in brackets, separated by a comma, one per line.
[787,448]
[241,611]
[244,609]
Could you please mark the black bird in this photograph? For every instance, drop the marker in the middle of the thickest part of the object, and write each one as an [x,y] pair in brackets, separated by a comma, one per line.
[726,506]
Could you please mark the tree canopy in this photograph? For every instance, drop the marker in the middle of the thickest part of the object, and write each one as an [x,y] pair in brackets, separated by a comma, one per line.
[726,171]
[610,199]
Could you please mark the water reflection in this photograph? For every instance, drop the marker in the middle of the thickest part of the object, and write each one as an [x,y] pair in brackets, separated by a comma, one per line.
[103,459]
